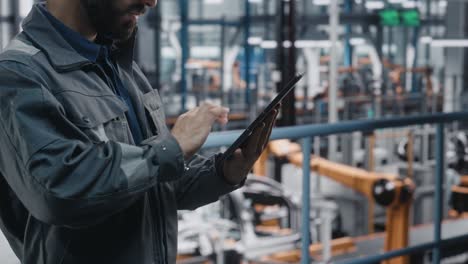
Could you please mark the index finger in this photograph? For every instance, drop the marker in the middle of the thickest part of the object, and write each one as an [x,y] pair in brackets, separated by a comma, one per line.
[249,147]
[219,110]
[270,123]
[218,113]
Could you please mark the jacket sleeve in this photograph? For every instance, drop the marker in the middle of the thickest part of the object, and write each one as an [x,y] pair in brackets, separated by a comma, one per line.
[202,183]
[61,176]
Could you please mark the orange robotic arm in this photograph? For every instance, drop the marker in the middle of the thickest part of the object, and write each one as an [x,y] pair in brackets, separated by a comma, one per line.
[385,189]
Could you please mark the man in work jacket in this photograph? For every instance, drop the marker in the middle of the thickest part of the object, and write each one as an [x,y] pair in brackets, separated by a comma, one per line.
[89,172]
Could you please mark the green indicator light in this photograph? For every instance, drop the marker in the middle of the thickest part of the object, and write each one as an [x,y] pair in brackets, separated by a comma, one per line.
[389,17]
[410,18]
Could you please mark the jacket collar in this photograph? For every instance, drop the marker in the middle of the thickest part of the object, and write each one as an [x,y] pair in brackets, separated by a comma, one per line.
[88,49]
[59,52]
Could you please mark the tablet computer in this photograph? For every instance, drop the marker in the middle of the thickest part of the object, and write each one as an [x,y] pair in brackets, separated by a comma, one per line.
[263,115]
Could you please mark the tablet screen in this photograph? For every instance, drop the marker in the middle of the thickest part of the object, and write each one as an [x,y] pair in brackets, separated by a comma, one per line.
[263,115]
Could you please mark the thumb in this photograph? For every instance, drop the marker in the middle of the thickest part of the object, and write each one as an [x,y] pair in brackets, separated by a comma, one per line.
[220,113]
[223,120]
[219,110]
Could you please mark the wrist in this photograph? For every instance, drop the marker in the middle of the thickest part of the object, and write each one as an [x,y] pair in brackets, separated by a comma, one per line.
[180,141]
[230,181]
[230,178]
[223,172]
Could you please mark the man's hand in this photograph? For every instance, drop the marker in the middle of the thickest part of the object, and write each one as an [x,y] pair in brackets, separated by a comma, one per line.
[192,128]
[237,166]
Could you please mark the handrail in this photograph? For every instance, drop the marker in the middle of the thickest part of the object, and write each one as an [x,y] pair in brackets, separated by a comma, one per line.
[219,139]
[306,132]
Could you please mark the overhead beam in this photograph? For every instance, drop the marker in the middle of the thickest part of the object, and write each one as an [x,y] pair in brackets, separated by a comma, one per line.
[353,19]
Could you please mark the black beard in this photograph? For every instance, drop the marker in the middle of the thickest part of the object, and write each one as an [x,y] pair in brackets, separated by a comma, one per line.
[104,17]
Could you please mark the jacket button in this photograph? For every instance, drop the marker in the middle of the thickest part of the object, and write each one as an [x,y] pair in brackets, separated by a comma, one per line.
[86,120]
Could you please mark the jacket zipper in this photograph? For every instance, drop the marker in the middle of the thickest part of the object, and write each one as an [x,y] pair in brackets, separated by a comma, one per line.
[162,222]
[157,252]
[158,248]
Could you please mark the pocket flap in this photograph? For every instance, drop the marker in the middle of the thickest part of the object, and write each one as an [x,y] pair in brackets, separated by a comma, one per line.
[152,100]
[91,111]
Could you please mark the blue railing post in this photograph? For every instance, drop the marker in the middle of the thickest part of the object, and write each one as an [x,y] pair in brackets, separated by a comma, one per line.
[440,156]
[306,149]
[247,51]
[184,41]
[348,54]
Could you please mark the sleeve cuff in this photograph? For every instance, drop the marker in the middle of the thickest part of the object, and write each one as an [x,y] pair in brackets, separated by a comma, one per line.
[168,156]
[220,175]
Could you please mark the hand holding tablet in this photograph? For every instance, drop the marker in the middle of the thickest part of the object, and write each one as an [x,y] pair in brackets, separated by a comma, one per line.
[262,117]
[239,158]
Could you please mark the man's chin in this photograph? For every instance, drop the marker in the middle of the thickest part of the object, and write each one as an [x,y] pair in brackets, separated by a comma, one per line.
[123,35]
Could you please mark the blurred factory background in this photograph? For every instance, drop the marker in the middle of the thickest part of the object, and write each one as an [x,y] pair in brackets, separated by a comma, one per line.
[379,114]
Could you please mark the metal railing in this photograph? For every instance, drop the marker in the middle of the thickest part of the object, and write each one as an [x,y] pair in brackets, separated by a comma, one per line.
[307,132]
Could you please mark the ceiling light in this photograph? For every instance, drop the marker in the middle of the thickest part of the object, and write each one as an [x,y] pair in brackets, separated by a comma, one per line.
[214,2]
[321,2]
[357,41]
[287,44]
[409,4]
[425,39]
[396,1]
[254,41]
[272,44]
[313,44]
[269,44]
[450,43]
[375,5]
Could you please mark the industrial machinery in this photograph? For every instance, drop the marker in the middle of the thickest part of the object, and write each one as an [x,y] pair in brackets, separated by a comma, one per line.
[255,221]
[387,190]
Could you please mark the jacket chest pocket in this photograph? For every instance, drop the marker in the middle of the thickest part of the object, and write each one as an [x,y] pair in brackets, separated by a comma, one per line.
[101,118]
[153,106]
